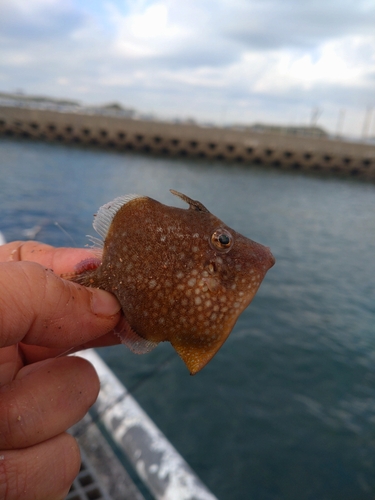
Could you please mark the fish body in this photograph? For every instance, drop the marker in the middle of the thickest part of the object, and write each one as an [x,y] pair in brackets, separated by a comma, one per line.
[180,275]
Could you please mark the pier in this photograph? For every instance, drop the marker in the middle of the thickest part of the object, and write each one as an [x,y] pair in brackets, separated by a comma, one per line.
[283,151]
[159,466]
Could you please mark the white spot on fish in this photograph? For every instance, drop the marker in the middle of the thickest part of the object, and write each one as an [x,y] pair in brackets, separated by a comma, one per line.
[152,283]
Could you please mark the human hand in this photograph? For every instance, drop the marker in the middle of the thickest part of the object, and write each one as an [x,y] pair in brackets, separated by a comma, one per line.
[42,315]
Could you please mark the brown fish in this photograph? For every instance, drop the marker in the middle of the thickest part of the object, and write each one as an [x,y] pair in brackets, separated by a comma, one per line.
[179,275]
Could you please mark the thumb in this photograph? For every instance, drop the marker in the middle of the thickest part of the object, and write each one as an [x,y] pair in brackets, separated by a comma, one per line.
[39,308]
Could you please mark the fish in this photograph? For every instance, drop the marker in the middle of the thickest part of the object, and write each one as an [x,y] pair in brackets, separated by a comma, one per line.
[180,275]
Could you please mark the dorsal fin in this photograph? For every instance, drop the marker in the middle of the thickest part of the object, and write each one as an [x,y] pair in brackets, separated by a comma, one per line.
[104,217]
[193,204]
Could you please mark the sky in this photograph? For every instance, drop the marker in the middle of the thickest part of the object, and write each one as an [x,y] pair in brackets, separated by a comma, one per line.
[289,62]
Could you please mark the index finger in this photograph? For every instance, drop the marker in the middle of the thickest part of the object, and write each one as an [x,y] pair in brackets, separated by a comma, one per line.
[60,260]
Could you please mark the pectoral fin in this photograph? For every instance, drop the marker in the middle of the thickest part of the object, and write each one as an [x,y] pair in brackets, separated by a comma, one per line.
[132,340]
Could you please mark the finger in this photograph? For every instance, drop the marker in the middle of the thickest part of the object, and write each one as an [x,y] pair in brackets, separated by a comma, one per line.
[44,471]
[10,363]
[32,353]
[60,260]
[45,400]
[37,307]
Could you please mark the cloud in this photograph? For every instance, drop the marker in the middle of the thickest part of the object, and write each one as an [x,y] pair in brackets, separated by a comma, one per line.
[225,59]
[37,19]
[271,24]
[170,35]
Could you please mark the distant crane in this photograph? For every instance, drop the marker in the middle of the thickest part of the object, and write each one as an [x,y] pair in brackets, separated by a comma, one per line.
[315,115]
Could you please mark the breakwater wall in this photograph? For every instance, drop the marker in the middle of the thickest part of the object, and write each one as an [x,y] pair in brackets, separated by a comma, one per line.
[312,154]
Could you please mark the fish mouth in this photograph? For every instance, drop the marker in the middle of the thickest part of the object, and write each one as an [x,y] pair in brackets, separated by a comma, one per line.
[264,257]
[271,259]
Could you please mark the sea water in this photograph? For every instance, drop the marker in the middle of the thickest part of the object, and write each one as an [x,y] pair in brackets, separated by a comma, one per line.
[286,409]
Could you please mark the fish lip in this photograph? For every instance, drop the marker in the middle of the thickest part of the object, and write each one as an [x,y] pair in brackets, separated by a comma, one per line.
[272,259]
[264,257]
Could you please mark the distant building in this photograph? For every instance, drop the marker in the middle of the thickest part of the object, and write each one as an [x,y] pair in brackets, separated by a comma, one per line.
[289,130]
[118,109]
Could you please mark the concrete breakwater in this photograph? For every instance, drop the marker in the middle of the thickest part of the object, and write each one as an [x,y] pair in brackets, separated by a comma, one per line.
[312,154]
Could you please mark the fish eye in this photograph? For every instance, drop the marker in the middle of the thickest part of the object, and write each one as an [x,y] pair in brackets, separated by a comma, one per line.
[222,240]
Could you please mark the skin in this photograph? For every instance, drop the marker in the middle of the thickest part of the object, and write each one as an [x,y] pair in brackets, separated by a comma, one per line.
[42,316]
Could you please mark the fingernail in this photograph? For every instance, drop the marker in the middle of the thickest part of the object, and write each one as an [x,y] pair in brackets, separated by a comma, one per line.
[104,303]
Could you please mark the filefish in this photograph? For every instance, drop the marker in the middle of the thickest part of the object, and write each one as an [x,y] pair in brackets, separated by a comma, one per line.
[180,275]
